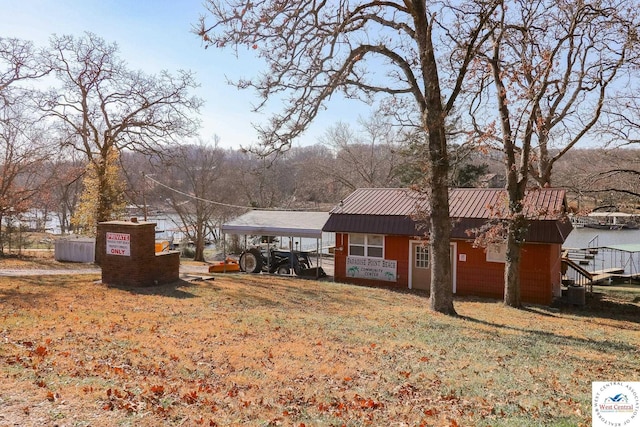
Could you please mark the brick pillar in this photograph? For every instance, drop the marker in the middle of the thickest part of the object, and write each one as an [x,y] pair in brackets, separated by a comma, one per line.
[125,251]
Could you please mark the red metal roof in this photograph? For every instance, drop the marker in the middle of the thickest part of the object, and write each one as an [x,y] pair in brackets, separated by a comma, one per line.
[381,201]
[390,211]
[547,203]
[539,204]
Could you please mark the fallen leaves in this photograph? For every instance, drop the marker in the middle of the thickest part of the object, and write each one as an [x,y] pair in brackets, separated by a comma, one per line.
[246,351]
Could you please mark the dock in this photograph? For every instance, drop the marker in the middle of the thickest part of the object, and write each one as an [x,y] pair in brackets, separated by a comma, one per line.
[599,276]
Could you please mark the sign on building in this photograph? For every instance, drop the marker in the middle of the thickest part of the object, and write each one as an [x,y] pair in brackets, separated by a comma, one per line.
[372,268]
[118,244]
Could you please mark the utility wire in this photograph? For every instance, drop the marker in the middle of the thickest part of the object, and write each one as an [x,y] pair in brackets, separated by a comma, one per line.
[195,197]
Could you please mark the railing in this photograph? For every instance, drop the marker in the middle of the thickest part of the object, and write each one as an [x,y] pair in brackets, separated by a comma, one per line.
[574,274]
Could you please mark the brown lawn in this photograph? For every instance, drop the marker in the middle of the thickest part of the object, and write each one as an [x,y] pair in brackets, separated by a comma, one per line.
[267,351]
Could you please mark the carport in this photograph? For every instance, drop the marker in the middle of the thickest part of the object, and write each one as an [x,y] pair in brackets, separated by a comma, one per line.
[303,224]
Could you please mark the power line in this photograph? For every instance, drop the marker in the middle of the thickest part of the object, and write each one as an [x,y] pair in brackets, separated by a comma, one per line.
[195,197]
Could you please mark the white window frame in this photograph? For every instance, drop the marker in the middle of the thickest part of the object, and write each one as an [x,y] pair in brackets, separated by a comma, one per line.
[367,245]
[422,257]
[497,252]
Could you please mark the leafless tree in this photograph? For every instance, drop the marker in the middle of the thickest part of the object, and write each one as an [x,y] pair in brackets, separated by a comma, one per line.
[622,130]
[316,187]
[20,61]
[614,177]
[199,193]
[365,156]
[23,148]
[101,105]
[66,170]
[415,51]
[552,67]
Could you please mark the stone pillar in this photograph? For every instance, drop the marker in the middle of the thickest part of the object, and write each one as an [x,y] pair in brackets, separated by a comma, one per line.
[125,250]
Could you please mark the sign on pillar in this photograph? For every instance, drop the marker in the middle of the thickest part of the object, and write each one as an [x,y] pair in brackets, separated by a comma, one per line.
[118,244]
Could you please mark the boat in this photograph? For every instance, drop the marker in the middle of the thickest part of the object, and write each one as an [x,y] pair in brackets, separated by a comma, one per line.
[612,221]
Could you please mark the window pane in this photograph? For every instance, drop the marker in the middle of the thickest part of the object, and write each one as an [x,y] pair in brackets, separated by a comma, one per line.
[422,257]
[356,239]
[356,250]
[373,240]
[374,252]
[497,252]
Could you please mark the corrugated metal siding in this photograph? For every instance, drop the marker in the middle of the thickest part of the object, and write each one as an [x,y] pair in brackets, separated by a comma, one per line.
[381,201]
[397,248]
[477,277]
[389,211]
[542,204]
[547,203]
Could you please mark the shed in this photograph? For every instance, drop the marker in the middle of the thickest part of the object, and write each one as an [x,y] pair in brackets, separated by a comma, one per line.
[378,241]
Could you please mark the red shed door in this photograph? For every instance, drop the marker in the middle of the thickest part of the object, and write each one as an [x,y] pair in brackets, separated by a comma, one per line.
[420,265]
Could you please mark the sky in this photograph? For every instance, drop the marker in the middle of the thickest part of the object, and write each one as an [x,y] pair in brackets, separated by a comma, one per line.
[155,35]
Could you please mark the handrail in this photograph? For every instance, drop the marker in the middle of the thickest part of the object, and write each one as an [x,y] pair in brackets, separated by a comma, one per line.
[576,273]
[591,242]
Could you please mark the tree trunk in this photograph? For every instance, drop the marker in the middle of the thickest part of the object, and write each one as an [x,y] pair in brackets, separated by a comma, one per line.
[199,248]
[433,121]
[103,208]
[516,226]
[512,264]
[441,299]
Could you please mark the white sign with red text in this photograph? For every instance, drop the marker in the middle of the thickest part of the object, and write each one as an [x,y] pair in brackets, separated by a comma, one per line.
[119,244]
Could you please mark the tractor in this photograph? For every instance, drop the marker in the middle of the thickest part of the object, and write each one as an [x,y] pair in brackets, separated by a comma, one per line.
[256,260]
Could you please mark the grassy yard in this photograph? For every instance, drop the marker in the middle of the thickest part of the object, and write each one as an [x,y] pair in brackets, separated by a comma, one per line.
[259,350]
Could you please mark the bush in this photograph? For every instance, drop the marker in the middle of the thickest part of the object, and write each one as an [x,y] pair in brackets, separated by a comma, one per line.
[188,252]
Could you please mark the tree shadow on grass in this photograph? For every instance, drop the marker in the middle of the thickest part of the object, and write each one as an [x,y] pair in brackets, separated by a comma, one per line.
[178,289]
[598,304]
[533,337]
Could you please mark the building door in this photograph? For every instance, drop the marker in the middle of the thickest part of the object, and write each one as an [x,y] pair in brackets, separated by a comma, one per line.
[420,265]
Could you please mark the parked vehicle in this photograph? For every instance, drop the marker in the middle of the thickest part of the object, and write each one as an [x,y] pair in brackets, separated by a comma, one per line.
[256,260]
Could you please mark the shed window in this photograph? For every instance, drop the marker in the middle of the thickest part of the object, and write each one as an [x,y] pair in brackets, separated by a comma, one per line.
[369,245]
[497,252]
[422,257]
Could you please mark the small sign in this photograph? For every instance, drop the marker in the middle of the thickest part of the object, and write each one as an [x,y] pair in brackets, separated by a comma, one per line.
[119,244]
[372,268]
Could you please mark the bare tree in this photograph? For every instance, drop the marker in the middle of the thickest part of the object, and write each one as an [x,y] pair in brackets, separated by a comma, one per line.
[199,193]
[19,62]
[410,50]
[552,65]
[315,185]
[23,147]
[365,156]
[102,106]
[623,137]
[66,171]
[614,178]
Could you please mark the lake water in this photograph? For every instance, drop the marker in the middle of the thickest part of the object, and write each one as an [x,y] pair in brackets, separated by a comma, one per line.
[168,227]
[585,237]
[581,238]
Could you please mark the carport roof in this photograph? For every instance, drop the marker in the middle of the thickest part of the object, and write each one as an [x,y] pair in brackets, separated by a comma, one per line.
[278,223]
